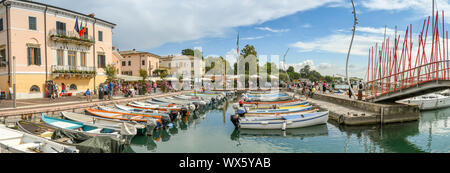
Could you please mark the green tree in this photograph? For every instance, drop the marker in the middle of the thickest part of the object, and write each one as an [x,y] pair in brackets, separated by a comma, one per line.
[305,71]
[188,52]
[328,78]
[249,50]
[143,73]
[290,69]
[314,76]
[110,71]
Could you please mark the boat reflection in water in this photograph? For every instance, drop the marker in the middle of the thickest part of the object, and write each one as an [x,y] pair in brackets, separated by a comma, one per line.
[301,133]
[161,135]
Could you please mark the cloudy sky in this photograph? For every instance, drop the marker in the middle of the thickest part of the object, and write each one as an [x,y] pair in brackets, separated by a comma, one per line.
[317,32]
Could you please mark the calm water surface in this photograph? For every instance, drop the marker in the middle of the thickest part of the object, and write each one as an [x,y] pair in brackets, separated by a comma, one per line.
[213,132]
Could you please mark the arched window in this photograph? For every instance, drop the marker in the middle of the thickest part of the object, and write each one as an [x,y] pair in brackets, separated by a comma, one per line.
[34,89]
[73,87]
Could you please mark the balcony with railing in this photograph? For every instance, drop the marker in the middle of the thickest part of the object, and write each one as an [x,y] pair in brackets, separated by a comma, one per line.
[65,71]
[71,37]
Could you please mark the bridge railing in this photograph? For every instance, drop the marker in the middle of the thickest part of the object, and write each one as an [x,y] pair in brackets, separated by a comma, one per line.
[435,71]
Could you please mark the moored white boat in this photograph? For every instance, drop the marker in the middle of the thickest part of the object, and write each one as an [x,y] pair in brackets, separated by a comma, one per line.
[284,122]
[428,101]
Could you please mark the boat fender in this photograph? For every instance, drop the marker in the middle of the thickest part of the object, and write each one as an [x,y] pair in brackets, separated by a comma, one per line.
[284,126]
[341,119]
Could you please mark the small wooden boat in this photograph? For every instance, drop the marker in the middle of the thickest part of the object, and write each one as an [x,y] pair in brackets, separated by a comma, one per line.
[75,139]
[303,103]
[272,103]
[92,130]
[138,110]
[155,113]
[288,110]
[284,122]
[123,116]
[13,141]
[275,107]
[280,114]
[141,105]
[108,123]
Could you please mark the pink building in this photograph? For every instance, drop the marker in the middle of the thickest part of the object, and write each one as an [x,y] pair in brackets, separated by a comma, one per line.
[47,48]
[133,61]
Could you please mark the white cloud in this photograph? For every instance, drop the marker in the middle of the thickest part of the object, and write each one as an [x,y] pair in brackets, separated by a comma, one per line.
[330,69]
[271,30]
[339,42]
[306,25]
[144,24]
[252,38]
[423,8]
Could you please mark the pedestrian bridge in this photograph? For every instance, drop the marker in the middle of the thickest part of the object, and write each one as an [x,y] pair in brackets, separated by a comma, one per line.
[399,72]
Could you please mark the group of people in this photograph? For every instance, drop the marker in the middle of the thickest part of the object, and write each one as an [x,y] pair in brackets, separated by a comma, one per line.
[309,88]
[52,90]
[114,88]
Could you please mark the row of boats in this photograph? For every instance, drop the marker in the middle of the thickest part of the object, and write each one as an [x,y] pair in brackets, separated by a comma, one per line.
[104,129]
[259,110]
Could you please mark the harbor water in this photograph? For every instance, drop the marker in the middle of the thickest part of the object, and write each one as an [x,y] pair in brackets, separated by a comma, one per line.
[213,132]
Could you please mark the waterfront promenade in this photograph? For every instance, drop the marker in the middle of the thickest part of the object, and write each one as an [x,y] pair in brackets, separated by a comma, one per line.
[32,108]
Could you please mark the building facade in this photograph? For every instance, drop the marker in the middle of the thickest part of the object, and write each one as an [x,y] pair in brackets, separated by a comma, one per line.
[46,47]
[133,61]
[183,65]
[117,60]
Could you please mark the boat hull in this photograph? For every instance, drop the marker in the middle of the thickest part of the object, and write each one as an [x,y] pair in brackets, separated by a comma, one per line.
[284,124]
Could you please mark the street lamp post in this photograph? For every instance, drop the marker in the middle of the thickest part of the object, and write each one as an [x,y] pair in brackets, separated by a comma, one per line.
[349,49]
[14,81]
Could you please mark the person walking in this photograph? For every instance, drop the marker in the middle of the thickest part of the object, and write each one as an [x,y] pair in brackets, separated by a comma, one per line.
[105,91]
[154,87]
[88,95]
[56,90]
[63,88]
[110,89]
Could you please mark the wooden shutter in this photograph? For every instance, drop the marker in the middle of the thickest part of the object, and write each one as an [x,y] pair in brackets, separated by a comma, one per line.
[38,54]
[29,56]
[103,61]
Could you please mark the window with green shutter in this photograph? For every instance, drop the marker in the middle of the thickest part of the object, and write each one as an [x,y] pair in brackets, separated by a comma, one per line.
[34,56]
[1,24]
[60,28]
[101,61]
[3,58]
[32,23]
[100,36]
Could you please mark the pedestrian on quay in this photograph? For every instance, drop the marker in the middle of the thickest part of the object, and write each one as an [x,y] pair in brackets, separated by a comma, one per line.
[105,91]
[324,89]
[307,93]
[51,90]
[56,90]
[110,90]
[350,91]
[63,88]
[88,95]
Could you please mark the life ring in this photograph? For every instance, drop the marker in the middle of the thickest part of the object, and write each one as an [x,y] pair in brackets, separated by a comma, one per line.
[170,105]
[341,119]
